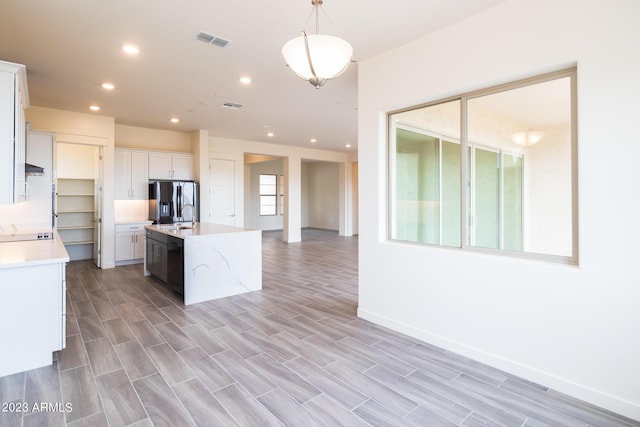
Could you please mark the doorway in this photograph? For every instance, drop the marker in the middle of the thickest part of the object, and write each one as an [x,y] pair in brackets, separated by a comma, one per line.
[78,208]
[225,190]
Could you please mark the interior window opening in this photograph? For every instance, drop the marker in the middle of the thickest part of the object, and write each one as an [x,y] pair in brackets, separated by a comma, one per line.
[516,192]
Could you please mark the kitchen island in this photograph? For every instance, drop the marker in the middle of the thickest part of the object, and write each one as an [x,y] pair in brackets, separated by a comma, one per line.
[211,260]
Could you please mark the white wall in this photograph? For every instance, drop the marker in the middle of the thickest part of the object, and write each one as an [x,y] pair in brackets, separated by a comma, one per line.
[354,180]
[323,195]
[574,329]
[252,216]
[304,199]
[548,187]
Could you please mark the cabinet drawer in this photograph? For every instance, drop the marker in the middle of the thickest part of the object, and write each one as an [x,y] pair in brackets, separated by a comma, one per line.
[122,228]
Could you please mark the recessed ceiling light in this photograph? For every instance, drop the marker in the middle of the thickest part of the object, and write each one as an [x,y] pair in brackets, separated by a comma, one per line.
[313,140]
[174,120]
[94,108]
[348,145]
[245,80]
[270,134]
[130,49]
[108,86]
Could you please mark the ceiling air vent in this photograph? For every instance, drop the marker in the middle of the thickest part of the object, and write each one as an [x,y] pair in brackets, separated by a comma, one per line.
[211,39]
[231,105]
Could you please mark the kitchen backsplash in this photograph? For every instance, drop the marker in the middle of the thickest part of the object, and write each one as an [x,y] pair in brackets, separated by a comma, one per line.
[131,210]
[24,216]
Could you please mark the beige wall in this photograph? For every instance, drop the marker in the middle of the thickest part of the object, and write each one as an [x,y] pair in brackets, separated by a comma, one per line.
[76,161]
[152,139]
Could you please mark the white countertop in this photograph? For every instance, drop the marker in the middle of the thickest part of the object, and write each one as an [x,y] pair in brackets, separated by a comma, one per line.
[200,229]
[32,252]
[139,221]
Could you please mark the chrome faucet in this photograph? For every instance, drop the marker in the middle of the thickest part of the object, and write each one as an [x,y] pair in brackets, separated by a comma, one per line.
[193,214]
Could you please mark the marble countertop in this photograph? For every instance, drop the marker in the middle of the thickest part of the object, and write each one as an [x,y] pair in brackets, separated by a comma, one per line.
[200,229]
[32,252]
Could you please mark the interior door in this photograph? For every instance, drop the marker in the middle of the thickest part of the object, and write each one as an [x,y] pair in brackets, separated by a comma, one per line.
[222,174]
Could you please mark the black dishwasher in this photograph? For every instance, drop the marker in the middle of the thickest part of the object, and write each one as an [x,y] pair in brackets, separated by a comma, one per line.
[175,264]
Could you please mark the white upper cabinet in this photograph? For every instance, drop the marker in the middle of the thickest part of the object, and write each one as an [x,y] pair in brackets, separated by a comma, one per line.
[132,175]
[171,166]
[160,166]
[13,100]
[182,167]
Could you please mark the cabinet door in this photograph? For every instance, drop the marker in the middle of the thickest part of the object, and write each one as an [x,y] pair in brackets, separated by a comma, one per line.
[122,162]
[182,166]
[151,258]
[160,166]
[20,180]
[157,259]
[6,136]
[138,251]
[139,175]
[124,246]
[161,261]
[13,99]
[32,314]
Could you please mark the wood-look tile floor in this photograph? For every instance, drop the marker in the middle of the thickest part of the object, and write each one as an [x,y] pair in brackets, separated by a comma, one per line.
[293,354]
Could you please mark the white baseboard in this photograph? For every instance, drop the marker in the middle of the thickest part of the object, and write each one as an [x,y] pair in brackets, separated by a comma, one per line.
[579,391]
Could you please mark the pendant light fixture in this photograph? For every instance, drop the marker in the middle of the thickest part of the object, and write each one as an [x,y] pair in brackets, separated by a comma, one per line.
[317,57]
[527,138]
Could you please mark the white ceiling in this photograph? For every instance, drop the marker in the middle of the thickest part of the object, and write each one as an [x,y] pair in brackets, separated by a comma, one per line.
[71,46]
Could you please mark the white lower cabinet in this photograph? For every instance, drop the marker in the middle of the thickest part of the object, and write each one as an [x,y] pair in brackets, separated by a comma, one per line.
[33,315]
[130,243]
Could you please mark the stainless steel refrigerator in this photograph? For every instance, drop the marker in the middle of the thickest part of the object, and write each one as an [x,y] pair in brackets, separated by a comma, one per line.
[173,201]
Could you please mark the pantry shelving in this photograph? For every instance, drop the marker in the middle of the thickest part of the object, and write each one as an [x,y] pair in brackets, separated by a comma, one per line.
[76,213]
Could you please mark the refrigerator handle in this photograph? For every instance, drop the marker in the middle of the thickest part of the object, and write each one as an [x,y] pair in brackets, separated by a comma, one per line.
[179,197]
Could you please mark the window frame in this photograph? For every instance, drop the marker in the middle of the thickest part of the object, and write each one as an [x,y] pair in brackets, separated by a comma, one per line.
[281,193]
[274,195]
[465,244]
[441,139]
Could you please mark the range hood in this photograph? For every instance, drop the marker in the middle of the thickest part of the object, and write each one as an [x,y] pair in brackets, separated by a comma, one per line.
[33,170]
